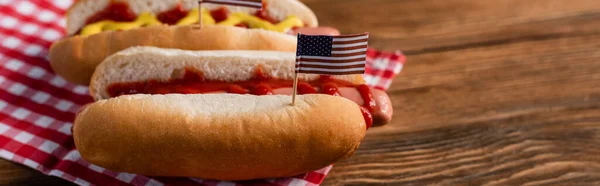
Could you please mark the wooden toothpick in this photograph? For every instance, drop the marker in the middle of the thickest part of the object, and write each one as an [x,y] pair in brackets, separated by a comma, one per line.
[200,13]
[295,89]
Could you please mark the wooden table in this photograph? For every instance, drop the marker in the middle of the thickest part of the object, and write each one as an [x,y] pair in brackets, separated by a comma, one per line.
[495,92]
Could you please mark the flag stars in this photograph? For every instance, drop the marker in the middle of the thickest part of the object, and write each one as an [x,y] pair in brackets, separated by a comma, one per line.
[315,45]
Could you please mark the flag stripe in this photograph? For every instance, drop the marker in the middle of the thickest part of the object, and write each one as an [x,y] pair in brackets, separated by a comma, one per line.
[332,70]
[235,1]
[349,48]
[335,39]
[333,64]
[349,51]
[350,36]
[334,58]
[333,73]
[332,67]
[349,45]
[350,42]
[332,61]
[246,3]
[351,54]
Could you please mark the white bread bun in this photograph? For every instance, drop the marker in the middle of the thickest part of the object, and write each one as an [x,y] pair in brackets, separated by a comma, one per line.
[140,64]
[76,58]
[82,10]
[218,136]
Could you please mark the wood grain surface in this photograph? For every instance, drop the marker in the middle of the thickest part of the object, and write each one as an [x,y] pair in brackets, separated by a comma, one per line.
[495,92]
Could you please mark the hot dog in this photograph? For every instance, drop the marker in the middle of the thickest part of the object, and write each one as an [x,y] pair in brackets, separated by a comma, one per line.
[99,28]
[218,136]
[150,70]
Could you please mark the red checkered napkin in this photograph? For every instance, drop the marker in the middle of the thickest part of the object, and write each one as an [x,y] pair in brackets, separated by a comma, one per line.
[37,107]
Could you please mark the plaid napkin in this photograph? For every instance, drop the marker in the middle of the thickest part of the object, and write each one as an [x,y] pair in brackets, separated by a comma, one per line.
[37,106]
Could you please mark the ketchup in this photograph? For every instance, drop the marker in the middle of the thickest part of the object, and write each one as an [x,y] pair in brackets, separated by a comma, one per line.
[330,88]
[220,14]
[243,25]
[121,12]
[262,89]
[365,93]
[173,16]
[368,117]
[116,11]
[236,89]
[264,15]
[305,88]
[194,82]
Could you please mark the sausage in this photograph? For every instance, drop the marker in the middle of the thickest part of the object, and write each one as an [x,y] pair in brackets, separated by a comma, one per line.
[382,112]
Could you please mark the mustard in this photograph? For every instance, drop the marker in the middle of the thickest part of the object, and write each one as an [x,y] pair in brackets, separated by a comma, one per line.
[255,22]
[148,19]
[192,18]
[145,19]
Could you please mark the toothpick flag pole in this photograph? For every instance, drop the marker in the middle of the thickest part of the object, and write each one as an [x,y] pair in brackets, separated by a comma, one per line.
[295,89]
[200,13]
[296,68]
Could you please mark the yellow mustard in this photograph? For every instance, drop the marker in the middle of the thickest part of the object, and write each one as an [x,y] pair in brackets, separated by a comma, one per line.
[192,18]
[255,22]
[148,19]
[145,19]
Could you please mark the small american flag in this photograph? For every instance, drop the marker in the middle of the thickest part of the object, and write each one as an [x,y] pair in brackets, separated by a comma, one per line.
[245,3]
[333,55]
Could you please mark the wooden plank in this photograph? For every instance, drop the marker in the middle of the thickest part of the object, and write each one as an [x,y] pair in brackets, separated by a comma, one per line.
[431,25]
[13,174]
[519,113]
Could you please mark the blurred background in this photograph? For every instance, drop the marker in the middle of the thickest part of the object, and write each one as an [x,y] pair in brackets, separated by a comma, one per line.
[498,92]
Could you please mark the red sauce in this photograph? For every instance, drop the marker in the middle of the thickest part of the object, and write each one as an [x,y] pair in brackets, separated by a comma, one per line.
[236,89]
[220,14]
[173,16]
[116,11]
[330,88]
[306,88]
[193,82]
[368,116]
[120,11]
[365,93]
[263,14]
[243,25]
[260,75]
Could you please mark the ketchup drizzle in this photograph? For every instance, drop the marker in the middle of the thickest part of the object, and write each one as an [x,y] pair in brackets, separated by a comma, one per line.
[172,16]
[121,12]
[220,14]
[115,11]
[194,82]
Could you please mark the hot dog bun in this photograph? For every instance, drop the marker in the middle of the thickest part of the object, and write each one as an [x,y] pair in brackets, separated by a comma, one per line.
[79,13]
[218,136]
[76,57]
[139,64]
